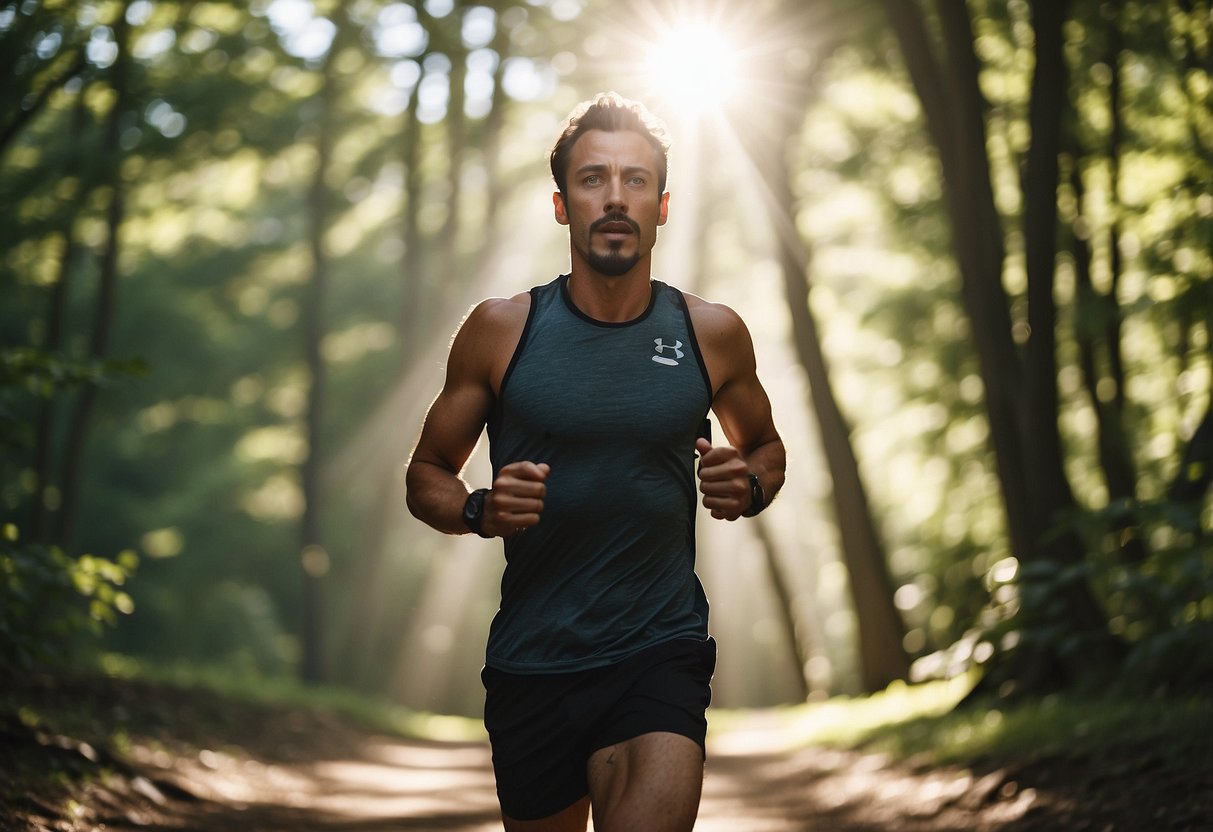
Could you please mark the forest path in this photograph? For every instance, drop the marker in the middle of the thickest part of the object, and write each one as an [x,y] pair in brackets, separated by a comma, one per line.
[752,784]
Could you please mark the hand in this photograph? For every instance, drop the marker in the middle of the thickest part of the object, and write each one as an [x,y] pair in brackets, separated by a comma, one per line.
[724,479]
[515,501]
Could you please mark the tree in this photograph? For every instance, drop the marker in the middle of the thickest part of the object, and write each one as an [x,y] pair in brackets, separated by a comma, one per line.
[881,631]
[1021,399]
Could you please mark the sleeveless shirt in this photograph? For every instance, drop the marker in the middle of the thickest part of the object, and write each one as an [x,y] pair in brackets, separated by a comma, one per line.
[614,409]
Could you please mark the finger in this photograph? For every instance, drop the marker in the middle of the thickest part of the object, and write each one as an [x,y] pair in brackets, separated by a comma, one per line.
[519,521]
[702,446]
[730,489]
[723,509]
[527,470]
[507,488]
[733,468]
[527,498]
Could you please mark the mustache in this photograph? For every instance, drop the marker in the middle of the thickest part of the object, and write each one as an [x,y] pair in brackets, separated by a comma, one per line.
[615,217]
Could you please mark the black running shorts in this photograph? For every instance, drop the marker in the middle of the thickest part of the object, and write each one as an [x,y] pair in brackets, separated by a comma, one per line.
[544,727]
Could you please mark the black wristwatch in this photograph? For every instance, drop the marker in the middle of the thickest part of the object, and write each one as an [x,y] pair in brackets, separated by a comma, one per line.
[758,497]
[473,512]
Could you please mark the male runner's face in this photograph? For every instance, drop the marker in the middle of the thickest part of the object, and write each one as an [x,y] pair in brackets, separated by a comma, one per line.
[613,207]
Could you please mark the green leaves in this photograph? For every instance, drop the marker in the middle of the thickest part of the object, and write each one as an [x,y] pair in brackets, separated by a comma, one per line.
[50,598]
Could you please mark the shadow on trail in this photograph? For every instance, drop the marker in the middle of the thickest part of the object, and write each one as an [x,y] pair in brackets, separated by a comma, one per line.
[194,761]
[388,784]
[394,784]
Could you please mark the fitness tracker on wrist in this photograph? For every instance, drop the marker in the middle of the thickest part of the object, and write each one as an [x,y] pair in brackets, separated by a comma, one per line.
[473,512]
[758,497]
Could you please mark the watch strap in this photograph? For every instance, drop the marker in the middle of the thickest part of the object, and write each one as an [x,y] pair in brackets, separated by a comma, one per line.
[473,512]
[758,497]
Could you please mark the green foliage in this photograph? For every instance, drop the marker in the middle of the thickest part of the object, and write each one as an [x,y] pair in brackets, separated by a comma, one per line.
[1157,598]
[28,374]
[216,154]
[1040,728]
[50,599]
[1162,605]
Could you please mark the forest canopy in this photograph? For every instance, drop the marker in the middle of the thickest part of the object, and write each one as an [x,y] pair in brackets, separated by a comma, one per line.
[974,243]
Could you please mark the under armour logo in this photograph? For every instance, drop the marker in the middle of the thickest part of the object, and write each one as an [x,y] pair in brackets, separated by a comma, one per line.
[662,347]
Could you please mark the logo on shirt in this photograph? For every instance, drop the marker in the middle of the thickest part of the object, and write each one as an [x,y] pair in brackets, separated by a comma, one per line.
[675,348]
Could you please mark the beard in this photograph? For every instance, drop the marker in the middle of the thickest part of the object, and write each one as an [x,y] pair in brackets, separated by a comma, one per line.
[613,263]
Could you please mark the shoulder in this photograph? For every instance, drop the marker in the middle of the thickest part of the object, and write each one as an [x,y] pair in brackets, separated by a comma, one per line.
[715,323]
[489,331]
[496,318]
[724,341]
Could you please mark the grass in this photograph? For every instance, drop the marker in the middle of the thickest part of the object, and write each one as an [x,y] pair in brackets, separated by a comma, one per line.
[923,722]
[361,709]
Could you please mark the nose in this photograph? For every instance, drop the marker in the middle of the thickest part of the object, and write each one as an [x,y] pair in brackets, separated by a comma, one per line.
[615,197]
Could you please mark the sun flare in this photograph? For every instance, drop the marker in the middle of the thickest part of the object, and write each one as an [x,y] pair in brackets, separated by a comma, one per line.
[693,68]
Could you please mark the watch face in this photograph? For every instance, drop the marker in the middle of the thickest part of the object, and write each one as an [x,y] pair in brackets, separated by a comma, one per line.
[474,508]
[473,511]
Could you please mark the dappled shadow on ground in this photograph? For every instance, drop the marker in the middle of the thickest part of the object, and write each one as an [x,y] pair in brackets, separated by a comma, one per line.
[754,785]
[387,784]
[192,761]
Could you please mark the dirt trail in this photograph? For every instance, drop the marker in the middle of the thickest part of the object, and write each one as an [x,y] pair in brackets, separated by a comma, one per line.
[125,755]
[752,784]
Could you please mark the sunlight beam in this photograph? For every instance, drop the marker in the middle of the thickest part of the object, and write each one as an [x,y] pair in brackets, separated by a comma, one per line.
[693,68]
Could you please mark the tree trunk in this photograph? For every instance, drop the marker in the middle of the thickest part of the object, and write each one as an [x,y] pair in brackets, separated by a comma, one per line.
[1021,395]
[450,281]
[798,645]
[107,290]
[10,131]
[56,319]
[1091,307]
[413,288]
[1048,664]
[882,656]
[313,557]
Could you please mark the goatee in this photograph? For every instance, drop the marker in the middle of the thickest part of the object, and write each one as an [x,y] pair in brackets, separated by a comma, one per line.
[612,264]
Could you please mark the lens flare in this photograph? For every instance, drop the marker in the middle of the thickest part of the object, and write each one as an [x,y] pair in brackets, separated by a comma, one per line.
[694,68]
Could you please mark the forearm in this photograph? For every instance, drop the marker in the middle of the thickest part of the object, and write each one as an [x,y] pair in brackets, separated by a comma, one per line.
[436,496]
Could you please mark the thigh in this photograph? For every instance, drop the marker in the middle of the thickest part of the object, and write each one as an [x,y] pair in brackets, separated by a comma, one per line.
[647,771]
[651,782]
[571,819]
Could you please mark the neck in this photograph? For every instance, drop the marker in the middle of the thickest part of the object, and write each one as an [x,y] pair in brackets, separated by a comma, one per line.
[610,299]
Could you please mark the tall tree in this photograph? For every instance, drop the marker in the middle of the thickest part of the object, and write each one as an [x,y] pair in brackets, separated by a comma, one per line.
[1021,396]
[881,631]
[107,289]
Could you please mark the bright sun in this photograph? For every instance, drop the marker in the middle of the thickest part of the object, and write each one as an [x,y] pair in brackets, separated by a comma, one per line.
[694,68]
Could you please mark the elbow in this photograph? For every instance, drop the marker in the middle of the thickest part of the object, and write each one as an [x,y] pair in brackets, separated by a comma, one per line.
[410,490]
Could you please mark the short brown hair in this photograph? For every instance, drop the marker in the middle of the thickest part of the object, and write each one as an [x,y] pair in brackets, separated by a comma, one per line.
[610,111]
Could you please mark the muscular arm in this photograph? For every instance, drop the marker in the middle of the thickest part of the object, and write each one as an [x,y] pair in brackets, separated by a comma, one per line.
[744,411]
[436,491]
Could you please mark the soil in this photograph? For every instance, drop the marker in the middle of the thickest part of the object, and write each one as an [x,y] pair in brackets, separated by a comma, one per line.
[125,756]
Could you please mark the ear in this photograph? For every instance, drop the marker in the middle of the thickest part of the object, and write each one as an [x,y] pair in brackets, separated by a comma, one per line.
[663,208]
[562,213]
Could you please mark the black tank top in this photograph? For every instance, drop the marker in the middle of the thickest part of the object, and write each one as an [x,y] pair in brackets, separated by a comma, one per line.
[614,409]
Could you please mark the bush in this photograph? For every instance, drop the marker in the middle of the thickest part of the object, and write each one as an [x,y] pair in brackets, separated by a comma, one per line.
[49,599]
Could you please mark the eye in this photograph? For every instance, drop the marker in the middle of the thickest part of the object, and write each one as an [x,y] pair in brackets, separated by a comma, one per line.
[592,179]
[638,181]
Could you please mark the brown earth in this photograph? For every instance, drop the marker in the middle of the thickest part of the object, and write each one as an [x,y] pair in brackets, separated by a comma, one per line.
[133,756]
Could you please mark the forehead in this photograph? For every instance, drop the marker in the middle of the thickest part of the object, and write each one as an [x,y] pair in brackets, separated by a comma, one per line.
[614,148]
